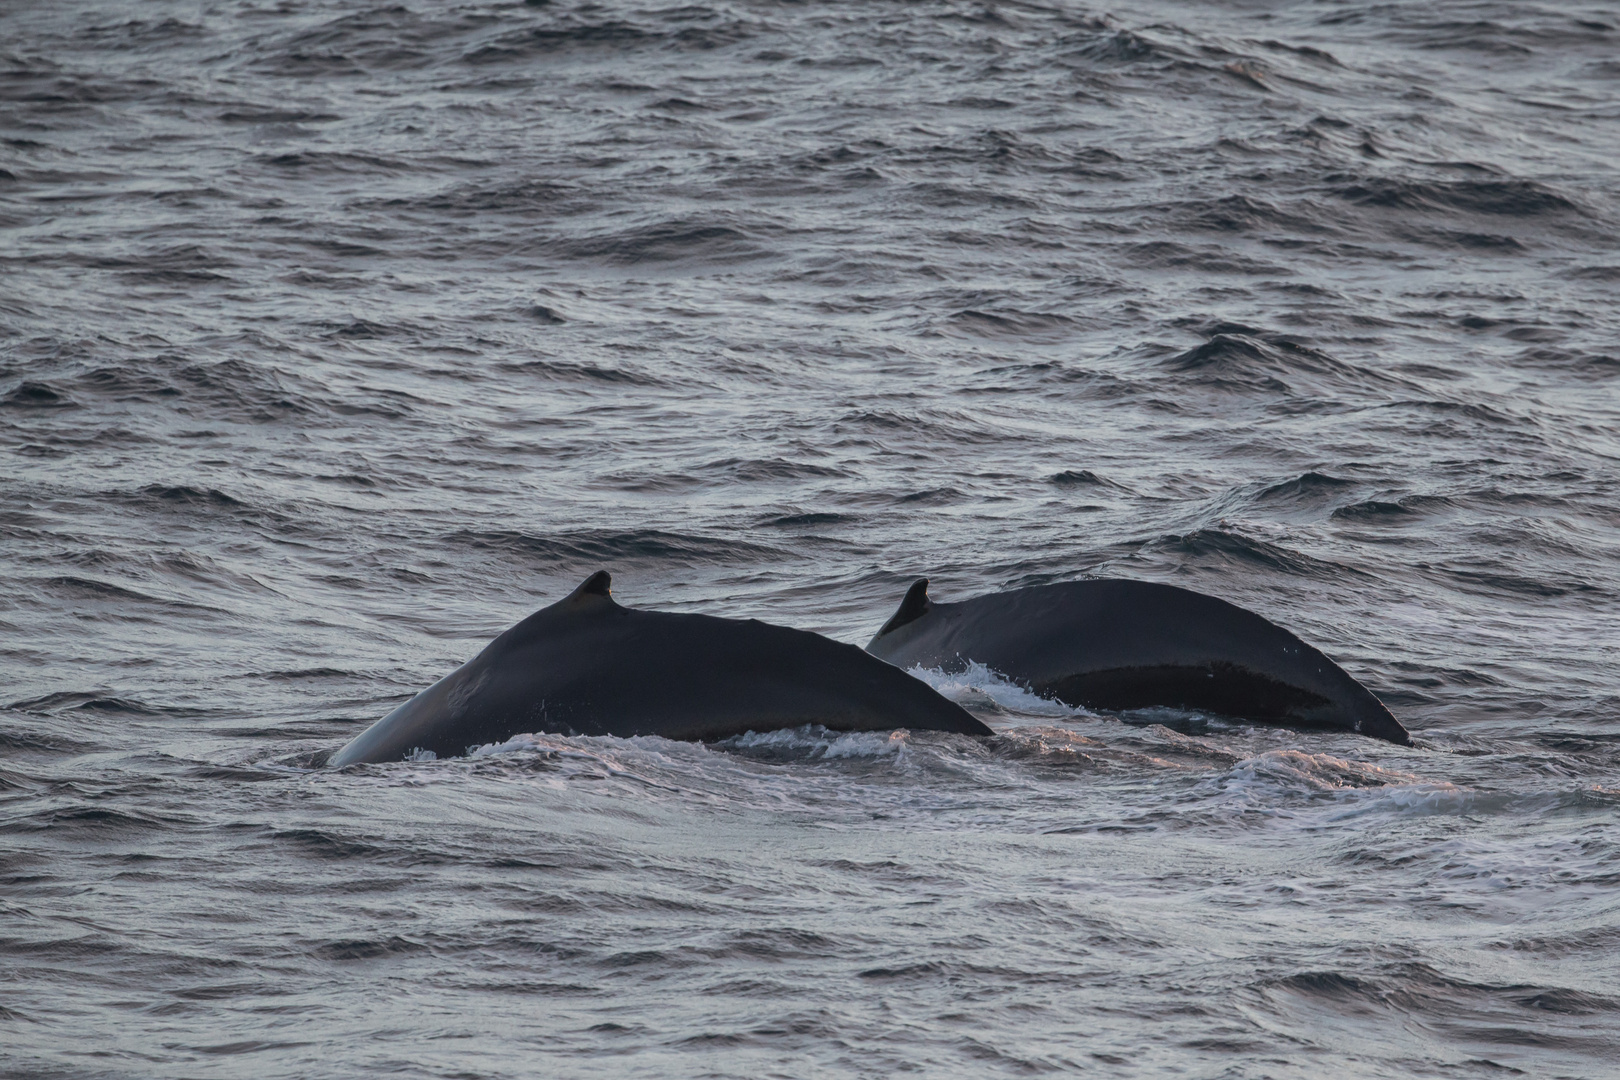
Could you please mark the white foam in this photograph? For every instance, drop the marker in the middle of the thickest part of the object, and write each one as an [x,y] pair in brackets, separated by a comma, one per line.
[1317,772]
[1429,797]
[977,679]
[528,741]
[1265,782]
[822,743]
[814,738]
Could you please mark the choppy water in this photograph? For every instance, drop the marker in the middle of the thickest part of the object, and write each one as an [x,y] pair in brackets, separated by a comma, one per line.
[335,337]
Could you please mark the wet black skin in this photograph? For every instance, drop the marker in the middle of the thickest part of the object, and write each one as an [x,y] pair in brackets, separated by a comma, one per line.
[586,666]
[1113,645]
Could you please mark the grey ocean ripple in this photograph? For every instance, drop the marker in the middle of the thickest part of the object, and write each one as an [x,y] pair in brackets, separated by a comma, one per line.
[337,336]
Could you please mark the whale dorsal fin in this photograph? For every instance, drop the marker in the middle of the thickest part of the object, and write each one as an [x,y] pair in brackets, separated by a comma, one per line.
[598,584]
[592,597]
[914,606]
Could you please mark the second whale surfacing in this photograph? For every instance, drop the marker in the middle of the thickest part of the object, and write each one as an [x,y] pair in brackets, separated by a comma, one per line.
[1116,645]
[586,666]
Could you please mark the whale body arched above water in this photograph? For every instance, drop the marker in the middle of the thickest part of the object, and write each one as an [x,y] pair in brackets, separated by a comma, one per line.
[586,666]
[1116,645]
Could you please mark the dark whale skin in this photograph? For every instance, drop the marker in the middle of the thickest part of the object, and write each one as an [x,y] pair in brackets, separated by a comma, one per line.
[1115,645]
[586,666]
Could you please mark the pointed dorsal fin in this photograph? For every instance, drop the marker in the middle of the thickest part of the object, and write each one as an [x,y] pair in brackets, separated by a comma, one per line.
[593,597]
[914,606]
[598,584]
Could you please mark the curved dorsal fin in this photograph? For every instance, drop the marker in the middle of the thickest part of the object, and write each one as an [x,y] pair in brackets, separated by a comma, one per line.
[598,584]
[914,606]
[586,601]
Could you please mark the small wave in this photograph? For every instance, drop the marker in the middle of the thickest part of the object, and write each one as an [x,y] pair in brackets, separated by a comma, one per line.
[676,241]
[37,395]
[364,329]
[252,115]
[788,521]
[1020,326]
[127,384]
[593,548]
[1279,783]
[942,496]
[977,682]
[368,948]
[566,371]
[522,197]
[139,32]
[1315,772]
[1079,478]
[1307,487]
[543,41]
[1127,47]
[1218,547]
[771,469]
[235,773]
[1508,1014]
[117,597]
[181,493]
[1373,510]
[58,702]
[91,822]
[813,742]
[1507,198]
[237,390]
[1211,259]
[1240,361]
[1244,213]
[1601,272]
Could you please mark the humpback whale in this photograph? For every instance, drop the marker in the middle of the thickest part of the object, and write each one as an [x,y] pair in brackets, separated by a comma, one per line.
[1115,645]
[586,666]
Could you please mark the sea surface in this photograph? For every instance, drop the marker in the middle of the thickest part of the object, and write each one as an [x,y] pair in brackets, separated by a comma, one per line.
[338,336]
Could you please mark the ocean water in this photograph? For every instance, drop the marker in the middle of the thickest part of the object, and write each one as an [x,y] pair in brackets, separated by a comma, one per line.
[336,337]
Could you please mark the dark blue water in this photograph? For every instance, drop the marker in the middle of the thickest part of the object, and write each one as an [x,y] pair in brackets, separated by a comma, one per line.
[337,337]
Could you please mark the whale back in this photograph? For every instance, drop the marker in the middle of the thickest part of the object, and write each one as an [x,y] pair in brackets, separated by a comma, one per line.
[587,666]
[1115,645]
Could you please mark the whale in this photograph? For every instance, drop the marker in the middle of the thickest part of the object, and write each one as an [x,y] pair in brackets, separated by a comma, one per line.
[1113,645]
[587,666]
